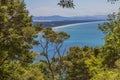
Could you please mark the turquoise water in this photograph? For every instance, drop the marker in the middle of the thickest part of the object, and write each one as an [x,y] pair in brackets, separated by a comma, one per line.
[83,34]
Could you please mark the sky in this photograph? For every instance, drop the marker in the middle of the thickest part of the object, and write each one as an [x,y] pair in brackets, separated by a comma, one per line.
[82,8]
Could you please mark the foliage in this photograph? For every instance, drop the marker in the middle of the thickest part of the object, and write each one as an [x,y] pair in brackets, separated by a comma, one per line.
[17,38]
[15,71]
[66,3]
[70,3]
[52,59]
[76,67]
[111,49]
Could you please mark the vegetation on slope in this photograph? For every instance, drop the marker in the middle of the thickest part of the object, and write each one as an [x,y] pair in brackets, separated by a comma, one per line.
[17,38]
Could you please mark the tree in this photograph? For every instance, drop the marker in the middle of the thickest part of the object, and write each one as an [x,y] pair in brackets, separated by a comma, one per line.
[66,3]
[17,39]
[111,49]
[70,3]
[51,40]
[16,36]
[75,65]
[16,71]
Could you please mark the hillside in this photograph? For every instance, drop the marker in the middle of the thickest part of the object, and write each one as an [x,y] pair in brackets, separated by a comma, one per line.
[61,18]
[52,21]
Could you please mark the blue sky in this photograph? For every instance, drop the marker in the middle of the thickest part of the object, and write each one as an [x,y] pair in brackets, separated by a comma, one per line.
[82,8]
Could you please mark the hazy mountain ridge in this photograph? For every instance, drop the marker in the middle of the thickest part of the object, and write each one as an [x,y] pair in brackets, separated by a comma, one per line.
[61,18]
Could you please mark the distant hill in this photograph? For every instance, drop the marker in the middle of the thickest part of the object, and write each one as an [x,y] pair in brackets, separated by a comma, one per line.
[61,18]
[52,21]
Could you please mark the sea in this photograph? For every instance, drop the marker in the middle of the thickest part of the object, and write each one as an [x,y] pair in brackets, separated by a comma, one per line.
[81,34]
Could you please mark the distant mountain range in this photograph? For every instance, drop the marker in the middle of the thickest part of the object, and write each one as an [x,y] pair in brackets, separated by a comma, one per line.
[61,18]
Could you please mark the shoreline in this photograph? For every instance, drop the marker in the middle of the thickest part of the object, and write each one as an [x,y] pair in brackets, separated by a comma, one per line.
[67,25]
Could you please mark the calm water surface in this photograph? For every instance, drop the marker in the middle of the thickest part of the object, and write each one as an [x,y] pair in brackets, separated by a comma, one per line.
[82,34]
